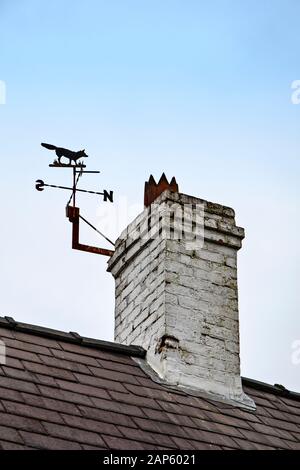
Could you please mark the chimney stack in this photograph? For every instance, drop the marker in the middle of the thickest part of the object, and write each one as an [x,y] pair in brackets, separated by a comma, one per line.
[175,268]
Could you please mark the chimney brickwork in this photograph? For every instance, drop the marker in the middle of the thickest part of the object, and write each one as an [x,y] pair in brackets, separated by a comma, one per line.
[181,302]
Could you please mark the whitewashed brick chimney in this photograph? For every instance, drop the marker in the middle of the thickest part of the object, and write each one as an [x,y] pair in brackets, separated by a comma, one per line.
[178,298]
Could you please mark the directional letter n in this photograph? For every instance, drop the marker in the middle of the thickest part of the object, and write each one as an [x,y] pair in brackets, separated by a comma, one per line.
[108,196]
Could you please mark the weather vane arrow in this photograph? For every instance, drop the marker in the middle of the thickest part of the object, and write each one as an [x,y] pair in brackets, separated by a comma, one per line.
[73,212]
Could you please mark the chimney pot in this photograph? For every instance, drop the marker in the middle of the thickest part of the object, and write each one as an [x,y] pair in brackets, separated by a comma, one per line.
[153,190]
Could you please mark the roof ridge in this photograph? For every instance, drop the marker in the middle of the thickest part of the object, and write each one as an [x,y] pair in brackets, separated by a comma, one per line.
[132,350]
[276,389]
[71,337]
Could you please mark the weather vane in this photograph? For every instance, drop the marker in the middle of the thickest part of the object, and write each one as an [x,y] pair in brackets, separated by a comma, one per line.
[72,212]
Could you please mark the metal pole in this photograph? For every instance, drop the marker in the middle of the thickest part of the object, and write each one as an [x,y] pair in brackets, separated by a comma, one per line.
[74,186]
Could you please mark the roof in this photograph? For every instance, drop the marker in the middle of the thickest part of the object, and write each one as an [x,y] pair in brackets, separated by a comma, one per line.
[61,391]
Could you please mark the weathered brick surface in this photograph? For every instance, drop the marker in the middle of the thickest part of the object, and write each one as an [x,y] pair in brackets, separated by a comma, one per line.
[73,413]
[165,289]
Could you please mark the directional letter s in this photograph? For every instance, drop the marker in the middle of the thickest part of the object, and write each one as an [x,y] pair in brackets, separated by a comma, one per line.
[40,185]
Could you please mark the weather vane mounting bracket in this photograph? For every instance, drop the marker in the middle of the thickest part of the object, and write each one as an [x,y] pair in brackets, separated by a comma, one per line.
[73,215]
[73,212]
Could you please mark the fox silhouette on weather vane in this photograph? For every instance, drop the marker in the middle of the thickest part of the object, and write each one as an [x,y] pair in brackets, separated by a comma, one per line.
[70,154]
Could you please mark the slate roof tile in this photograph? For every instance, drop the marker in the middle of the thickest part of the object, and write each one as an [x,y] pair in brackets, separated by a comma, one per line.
[217,417]
[5,333]
[50,404]
[249,445]
[74,434]
[295,445]
[83,389]
[158,393]
[65,365]
[9,434]
[159,427]
[12,446]
[61,391]
[132,399]
[107,416]
[147,437]
[211,437]
[196,402]
[279,424]
[45,441]
[180,420]
[99,382]
[92,425]
[271,431]
[29,347]
[291,403]
[53,372]
[89,447]
[36,340]
[24,375]
[119,376]
[234,412]
[20,422]
[96,354]
[22,354]
[14,363]
[284,416]
[77,358]
[9,394]
[229,430]
[29,411]
[79,398]
[190,444]
[126,444]
[118,407]
[13,384]
[132,368]
[266,439]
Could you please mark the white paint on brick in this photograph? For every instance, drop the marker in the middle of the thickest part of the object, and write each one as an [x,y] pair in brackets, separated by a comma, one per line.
[181,305]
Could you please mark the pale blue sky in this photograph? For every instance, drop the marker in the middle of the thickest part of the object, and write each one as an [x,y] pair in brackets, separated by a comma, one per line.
[198,89]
